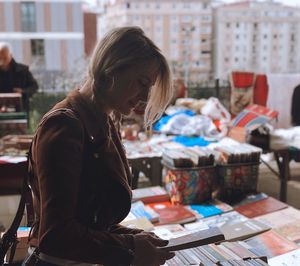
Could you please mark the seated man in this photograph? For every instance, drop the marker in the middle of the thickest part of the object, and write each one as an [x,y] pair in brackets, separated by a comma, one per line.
[15,77]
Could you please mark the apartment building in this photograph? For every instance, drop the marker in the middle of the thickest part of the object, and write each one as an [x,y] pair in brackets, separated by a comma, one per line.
[181,29]
[256,36]
[44,34]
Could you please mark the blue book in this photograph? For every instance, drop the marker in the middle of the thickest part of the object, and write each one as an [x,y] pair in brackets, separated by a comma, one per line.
[211,208]
[138,209]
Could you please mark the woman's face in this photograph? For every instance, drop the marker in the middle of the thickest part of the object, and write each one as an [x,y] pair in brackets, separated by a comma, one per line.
[131,87]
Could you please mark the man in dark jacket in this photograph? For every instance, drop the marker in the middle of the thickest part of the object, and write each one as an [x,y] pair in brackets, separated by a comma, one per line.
[15,77]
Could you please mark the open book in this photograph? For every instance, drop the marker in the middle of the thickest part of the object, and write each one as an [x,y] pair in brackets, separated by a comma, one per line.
[195,239]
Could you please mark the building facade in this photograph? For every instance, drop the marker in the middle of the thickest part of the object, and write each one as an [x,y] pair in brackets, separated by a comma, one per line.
[42,33]
[181,29]
[263,37]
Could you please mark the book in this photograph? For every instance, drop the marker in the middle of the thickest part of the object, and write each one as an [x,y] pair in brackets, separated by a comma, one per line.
[138,223]
[243,230]
[227,218]
[211,208]
[239,250]
[285,221]
[233,225]
[169,231]
[172,214]
[150,194]
[291,258]
[261,207]
[194,239]
[280,218]
[251,198]
[138,209]
[176,158]
[270,244]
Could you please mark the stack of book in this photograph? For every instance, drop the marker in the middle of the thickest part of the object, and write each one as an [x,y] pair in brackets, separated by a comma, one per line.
[188,157]
[226,253]
[242,153]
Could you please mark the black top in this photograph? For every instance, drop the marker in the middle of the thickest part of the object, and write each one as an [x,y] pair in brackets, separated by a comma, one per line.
[18,76]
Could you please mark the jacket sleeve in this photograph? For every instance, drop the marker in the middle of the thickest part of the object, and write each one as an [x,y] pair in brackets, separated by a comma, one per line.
[58,155]
[31,85]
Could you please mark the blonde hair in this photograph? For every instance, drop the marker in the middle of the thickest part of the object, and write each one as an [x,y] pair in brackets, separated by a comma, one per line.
[125,47]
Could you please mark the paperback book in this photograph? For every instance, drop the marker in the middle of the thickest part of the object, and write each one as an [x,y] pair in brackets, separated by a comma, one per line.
[261,207]
[195,239]
[150,194]
[270,244]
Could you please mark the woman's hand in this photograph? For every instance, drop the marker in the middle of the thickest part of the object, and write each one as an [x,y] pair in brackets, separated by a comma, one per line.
[147,252]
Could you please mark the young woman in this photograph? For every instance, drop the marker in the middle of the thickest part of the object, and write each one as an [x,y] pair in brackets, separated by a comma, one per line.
[80,176]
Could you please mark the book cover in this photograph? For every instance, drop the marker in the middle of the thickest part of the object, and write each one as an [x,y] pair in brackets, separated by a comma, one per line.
[243,230]
[261,207]
[195,239]
[280,218]
[211,208]
[239,250]
[251,198]
[138,223]
[150,194]
[291,258]
[177,214]
[138,209]
[270,244]
[233,225]
[169,231]
[291,231]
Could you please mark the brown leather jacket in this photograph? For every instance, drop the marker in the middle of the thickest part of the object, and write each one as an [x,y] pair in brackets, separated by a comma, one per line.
[80,182]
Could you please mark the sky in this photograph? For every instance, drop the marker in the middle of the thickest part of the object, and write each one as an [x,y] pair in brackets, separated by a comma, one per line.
[286,2]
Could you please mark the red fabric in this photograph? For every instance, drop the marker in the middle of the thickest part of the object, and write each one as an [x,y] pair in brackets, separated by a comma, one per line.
[243,79]
[261,90]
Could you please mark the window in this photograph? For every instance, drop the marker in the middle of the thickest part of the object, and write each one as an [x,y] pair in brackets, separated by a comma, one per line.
[37,47]
[38,51]
[292,37]
[28,16]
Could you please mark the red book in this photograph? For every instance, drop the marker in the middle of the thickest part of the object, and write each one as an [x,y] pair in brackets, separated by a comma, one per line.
[261,207]
[270,244]
[172,214]
[150,194]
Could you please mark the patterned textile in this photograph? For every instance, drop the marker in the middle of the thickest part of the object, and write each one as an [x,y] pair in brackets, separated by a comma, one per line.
[254,116]
[242,87]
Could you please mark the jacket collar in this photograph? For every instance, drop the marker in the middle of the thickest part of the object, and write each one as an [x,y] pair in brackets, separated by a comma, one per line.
[95,122]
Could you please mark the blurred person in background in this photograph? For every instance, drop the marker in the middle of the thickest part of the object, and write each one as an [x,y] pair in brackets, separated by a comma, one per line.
[15,77]
[79,173]
[295,112]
